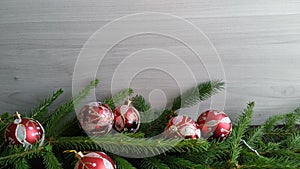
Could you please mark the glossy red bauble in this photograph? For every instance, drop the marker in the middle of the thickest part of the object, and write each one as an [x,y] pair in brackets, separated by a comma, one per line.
[182,127]
[25,131]
[95,160]
[127,118]
[96,118]
[214,124]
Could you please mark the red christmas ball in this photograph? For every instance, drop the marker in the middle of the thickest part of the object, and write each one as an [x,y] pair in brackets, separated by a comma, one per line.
[214,124]
[95,160]
[182,127]
[127,118]
[25,131]
[96,118]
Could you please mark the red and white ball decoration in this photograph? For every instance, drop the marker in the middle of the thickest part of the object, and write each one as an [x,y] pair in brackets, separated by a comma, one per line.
[94,160]
[96,118]
[25,131]
[214,124]
[127,118]
[182,127]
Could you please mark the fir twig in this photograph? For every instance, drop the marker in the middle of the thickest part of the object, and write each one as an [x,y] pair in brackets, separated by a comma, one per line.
[267,130]
[152,163]
[157,126]
[64,110]
[292,142]
[21,163]
[197,94]
[118,98]
[147,115]
[50,161]
[278,146]
[252,161]
[271,123]
[121,162]
[190,145]
[291,120]
[5,120]
[140,103]
[40,111]
[238,133]
[181,163]
[120,144]
[16,153]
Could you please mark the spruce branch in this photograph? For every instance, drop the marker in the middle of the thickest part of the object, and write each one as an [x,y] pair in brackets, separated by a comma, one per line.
[134,135]
[16,154]
[5,120]
[123,144]
[146,113]
[140,103]
[291,120]
[50,161]
[157,126]
[197,94]
[238,132]
[64,110]
[121,162]
[282,154]
[272,122]
[268,132]
[292,142]
[21,163]
[40,111]
[192,146]
[252,161]
[70,127]
[181,163]
[278,146]
[152,163]
[118,98]
[255,136]
[215,156]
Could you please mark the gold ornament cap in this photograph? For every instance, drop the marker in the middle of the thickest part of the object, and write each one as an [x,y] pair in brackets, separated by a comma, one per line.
[78,155]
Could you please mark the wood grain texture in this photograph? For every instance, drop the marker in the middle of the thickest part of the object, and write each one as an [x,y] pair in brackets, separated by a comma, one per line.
[258,43]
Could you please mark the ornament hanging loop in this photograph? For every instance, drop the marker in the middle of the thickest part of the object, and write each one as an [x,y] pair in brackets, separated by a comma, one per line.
[78,155]
[128,102]
[252,149]
[17,115]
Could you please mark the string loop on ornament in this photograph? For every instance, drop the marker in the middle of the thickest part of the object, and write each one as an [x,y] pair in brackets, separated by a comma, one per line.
[252,149]
[77,154]
[17,115]
[70,151]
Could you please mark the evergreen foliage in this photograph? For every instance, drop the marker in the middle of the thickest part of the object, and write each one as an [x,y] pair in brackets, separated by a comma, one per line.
[197,94]
[119,98]
[277,141]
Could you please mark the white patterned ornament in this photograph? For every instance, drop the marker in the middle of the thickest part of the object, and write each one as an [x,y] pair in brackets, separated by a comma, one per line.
[214,124]
[94,160]
[182,127]
[96,118]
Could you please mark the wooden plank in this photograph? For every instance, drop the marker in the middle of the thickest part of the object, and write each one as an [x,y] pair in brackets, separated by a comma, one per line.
[257,41]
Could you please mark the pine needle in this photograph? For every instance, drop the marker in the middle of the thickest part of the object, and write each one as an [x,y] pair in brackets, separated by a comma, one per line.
[181,163]
[118,98]
[21,163]
[197,94]
[238,132]
[59,115]
[152,163]
[121,162]
[121,144]
[291,120]
[40,112]
[50,161]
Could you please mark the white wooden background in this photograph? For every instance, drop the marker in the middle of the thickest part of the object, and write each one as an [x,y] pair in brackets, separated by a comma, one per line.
[258,42]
